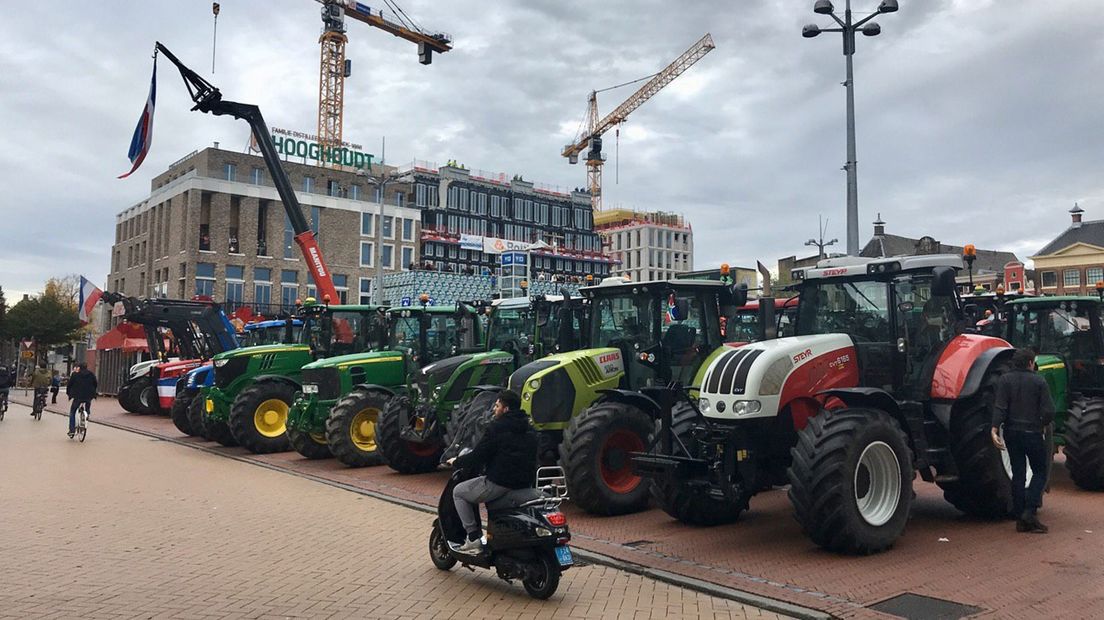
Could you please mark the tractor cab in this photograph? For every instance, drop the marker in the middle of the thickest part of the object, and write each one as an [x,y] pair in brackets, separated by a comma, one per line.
[899,313]
[530,328]
[271,332]
[746,323]
[1066,334]
[331,331]
[663,330]
[431,333]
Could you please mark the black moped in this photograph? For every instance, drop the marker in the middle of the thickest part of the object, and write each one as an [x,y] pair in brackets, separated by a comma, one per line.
[526,539]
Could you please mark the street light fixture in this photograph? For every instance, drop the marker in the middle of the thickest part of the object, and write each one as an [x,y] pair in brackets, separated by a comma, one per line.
[849,28]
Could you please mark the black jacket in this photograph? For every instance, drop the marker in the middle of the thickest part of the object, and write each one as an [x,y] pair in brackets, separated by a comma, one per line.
[508,450]
[82,385]
[1023,402]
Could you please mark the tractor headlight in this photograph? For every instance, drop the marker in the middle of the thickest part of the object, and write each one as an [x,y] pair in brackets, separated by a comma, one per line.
[436,392]
[745,407]
[534,384]
[703,404]
[222,362]
[527,396]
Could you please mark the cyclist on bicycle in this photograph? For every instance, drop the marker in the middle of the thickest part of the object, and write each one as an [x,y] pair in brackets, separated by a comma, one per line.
[40,381]
[81,389]
[7,381]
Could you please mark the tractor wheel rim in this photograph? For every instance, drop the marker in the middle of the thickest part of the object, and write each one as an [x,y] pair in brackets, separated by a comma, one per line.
[270,417]
[877,483]
[362,430]
[615,465]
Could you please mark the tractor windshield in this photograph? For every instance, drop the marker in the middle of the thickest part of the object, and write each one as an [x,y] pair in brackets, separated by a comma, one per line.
[627,318]
[443,331]
[1064,330]
[858,308]
[743,327]
[511,329]
[272,334]
[337,333]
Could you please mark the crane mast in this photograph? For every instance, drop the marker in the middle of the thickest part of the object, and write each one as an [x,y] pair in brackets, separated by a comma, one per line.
[595,127]
[334,67]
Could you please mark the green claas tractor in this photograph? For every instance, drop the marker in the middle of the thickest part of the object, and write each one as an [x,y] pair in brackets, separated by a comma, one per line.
[1068,338]
[413,428]
[337,408]
[254,387]
[588,402]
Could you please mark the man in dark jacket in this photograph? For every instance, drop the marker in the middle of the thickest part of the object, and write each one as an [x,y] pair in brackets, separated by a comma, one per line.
[81,388]
[508,452]
[1023,405]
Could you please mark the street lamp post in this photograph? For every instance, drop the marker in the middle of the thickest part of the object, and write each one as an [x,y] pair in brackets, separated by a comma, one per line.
[383,181]
[849,28]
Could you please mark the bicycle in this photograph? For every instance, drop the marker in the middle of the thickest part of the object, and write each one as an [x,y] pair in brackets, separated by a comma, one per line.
[39,403]
[3,402]
[80,429]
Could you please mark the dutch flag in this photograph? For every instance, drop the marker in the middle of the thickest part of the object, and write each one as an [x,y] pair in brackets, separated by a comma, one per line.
[89,296]
[143,133]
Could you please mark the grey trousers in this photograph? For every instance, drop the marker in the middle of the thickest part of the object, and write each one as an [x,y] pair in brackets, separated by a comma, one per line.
[468,495]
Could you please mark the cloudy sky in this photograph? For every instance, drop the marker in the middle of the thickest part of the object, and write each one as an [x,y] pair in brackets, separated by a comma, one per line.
[978,121]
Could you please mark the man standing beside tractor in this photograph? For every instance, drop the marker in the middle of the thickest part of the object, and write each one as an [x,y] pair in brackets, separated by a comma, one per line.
[1023,405]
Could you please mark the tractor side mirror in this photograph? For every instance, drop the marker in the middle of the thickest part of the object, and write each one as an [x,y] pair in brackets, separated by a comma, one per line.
[943,282]
[739,294]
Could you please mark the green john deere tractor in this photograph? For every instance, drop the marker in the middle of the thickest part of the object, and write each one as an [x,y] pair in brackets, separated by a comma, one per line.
[588,403]
[336,411]
[413,429]
[254,387]
[1068,337]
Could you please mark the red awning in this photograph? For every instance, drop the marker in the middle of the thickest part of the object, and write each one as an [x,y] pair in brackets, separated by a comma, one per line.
[129,337]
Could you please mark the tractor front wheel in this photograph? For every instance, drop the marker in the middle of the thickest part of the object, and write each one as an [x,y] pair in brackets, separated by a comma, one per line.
[310,445]
[1085,443]
[258,418]
[596,456]
[128,397]
[851,480]
[352,426]
[179,412]
[693,504]
[405,457]
[197,416]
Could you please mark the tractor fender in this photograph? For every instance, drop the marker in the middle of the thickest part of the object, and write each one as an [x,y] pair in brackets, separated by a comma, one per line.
[963,363]
[980,367]
[629,397]
[872,397]
[374,387]
[485,388]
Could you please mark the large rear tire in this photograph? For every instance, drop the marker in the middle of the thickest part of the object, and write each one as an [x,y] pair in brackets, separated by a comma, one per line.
[595,456]
[258,418]
[352,427]
[128,398]
[693,504]
[179,412]
[309,445]
[405,457]
[197,416]
[984,485]
[1085,443]
[466,426]
[851,480]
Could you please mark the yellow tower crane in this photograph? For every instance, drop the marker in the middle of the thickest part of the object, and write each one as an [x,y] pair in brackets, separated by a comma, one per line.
[335,67]
[591,136]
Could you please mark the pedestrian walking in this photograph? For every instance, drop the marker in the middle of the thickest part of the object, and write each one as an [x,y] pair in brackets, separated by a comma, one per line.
[55,387]
[1024,407]
[81,388]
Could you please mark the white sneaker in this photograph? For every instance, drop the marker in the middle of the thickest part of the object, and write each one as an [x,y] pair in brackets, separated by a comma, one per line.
[472,547]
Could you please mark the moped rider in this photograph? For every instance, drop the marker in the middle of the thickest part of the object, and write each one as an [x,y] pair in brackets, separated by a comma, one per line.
[508,454]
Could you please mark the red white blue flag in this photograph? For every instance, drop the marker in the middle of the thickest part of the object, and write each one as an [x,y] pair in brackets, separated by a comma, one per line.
[89,296]
[143,133]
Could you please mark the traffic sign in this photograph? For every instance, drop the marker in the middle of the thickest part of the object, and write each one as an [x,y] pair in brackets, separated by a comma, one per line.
[27,355]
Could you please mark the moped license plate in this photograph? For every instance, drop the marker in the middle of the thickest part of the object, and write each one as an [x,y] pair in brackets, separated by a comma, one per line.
[563,555]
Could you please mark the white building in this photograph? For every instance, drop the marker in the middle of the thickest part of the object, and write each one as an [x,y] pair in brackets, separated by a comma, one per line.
[649,245]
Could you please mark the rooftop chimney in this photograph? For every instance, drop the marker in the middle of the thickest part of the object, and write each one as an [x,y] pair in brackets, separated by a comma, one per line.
[1075,213]
[879,227]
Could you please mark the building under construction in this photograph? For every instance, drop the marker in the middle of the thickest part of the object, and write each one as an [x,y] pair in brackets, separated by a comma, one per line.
[648,245]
